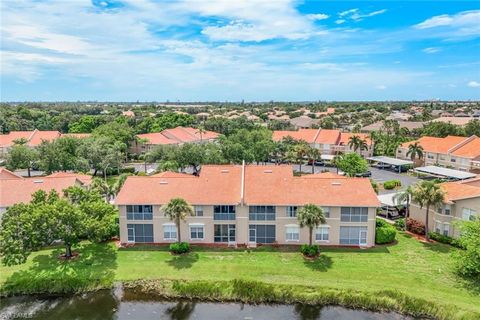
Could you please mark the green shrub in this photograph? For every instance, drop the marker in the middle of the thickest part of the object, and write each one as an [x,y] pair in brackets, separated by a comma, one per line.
[179,247]
[310,251]
[400,224]
[415,226]
[443,239]
[127,170]
[385,235]
[391,184]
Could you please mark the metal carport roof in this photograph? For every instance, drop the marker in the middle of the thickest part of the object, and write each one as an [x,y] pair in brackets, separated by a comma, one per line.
[445,172]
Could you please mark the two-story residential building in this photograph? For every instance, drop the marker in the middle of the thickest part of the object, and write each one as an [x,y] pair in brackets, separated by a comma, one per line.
[176,136]
[246,205]
[328,141]
[462,202]
[460,153]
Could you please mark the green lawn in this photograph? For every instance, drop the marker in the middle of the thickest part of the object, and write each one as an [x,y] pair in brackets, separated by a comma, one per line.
[417,269]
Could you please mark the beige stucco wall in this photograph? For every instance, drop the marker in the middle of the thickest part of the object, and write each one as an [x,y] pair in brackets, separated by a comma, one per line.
[443,160]
[242,226]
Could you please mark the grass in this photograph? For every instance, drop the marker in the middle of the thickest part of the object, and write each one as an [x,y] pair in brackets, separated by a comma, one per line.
[408,273]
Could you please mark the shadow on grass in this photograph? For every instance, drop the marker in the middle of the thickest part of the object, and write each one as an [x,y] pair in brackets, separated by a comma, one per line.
[322,263]
[93,268]
[437,247]
[184,261]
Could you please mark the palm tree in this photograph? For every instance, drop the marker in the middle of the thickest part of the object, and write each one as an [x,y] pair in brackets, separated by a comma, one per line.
[405,197]
[201,130]
[415,150]
[357,143]
[313,154]
[301,150]
[428,194]
[310,216]
[177,210]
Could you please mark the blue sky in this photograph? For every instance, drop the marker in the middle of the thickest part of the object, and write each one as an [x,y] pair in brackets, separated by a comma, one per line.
[256,50]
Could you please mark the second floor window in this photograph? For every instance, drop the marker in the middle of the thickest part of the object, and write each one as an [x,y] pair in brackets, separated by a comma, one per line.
[354,214]
[260,213]
[223,212]
[139,212]
[198,211]
[292,211]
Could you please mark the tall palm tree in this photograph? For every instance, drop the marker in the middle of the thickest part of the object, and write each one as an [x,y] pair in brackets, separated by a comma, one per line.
[405,197]
[310,216]
[357,143]
[313,154]
[177,210]
[301,150]
[201,131]
[428,194]
[415,150]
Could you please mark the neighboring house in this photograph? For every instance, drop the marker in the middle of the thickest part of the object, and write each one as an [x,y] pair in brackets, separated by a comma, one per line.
[246,205]
[176,136]
[16,189]
[460,153]
[328,141]
[34,138]
[303,122]
[378,126]
[462,203]
[458,121]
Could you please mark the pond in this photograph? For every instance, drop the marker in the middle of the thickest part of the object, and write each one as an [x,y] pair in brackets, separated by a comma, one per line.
[119,304]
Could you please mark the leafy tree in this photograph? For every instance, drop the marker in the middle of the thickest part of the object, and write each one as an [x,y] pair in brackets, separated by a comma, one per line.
[177,210]
[357,143]
[351,163]
[473,128]
[171,120]
[119,133]
[428,194]
[21,156]
[85,124]
[468,259]
[101,153]
[442,129]
[310,216]
[415,150]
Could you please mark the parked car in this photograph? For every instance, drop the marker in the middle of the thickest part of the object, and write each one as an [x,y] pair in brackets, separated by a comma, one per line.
[316,162]
[382,166]
[400,169]
[364,175]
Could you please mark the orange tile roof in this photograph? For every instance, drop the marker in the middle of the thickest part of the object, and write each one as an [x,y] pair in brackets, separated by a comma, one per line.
[437,145]
[34,138]
[177,135]
[345,137]
[262,185]
[307,135]
[170,174]
[14,191]
[470,150]
[7,174]
[328,136]
[455,191]
[86,179]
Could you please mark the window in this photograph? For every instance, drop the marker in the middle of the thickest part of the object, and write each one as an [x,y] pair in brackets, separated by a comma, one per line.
[446,229]
[261,213]
[438,227]
[326,211]
[468,214]
[322,234]
[261,233]
[169,232]
[430,156]
[440,210]
[196,232]
[140,232]
[224,233]
[453,160]
[448,210]
[139,212]
[198,211]
[354,214]
[292,233]
[223,212]
[292,211]
[353,235]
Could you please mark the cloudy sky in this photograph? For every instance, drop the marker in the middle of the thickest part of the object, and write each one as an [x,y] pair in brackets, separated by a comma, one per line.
[199,50]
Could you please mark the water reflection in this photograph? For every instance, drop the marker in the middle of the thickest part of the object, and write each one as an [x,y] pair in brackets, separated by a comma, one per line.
[126,305]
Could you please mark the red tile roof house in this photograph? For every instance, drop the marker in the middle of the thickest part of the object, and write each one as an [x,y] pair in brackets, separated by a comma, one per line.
[460,153]
[16,189]
[34,138]
[247,205]
[326,140]
[175,136]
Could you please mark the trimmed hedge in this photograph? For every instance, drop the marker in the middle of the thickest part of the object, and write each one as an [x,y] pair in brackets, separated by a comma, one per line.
[179,247]
[310,251]
[443,239]
[391,184]
[384,232]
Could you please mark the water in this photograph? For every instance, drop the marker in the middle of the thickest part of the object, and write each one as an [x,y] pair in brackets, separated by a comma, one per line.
[104,305]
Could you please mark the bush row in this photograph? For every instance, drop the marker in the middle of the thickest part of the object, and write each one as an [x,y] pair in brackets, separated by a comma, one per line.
[384,232]
[392,184]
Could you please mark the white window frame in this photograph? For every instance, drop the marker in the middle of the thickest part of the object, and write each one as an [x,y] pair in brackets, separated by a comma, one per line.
[321,228]
[198,209]
[294,231]
[290,209]
[467,213]
[326,211]
[446,227]
[438,227]
[170,226]
[196,225]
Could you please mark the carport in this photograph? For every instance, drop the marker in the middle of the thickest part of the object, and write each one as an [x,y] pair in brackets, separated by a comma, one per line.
[391,208]
[444,173]
[391,161]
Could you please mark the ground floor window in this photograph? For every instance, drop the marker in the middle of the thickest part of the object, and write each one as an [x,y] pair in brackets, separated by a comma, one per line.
[140,232]
[353,235]
[322,234]
[169,232]
[261,233]
[224,232]
[446,229]
[196,232]
[292,233]
[438,227]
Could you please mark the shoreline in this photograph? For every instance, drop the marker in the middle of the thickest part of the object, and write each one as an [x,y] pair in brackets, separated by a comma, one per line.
[256,292]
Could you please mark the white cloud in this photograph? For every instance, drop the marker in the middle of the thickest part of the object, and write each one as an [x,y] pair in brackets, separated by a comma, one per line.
[340,21]
[465,23]
[474,84]
[348,12]
[431,50]
[356,15]
[381,87]
[317,16]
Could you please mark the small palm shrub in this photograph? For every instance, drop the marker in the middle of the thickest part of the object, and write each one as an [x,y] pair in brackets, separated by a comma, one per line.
[179,247]
[310,251]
